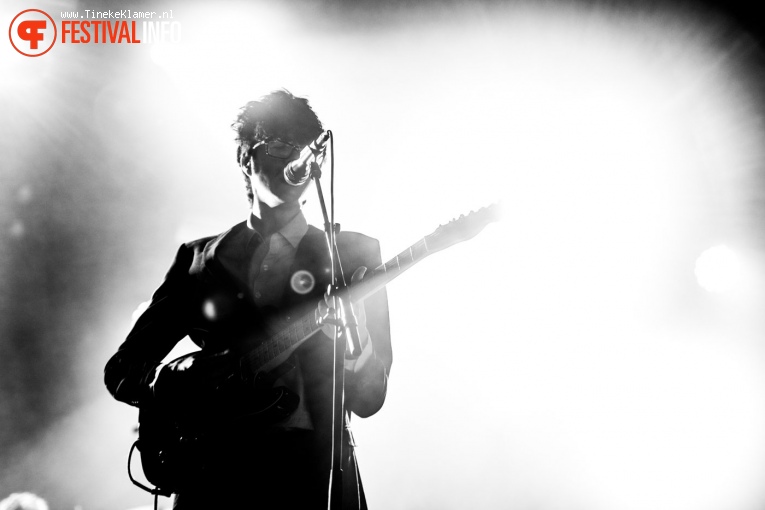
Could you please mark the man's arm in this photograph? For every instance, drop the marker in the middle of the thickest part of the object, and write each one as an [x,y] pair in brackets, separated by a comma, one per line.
[130,374]
[367,377]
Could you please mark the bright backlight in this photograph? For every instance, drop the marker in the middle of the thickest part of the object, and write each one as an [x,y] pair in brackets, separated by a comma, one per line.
[718,269]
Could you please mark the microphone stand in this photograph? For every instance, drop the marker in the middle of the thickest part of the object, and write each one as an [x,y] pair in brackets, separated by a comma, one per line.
[344,320]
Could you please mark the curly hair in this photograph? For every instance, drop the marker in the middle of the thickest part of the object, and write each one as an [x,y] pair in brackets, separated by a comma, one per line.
[276,115]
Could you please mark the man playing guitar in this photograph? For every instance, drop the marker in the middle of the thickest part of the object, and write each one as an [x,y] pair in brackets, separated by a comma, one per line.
[255,437]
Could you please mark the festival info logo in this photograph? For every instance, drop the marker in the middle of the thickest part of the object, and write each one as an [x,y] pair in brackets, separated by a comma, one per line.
[32,32]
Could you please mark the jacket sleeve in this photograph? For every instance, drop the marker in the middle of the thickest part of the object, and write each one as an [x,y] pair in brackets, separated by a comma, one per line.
[130,373]
[367,382]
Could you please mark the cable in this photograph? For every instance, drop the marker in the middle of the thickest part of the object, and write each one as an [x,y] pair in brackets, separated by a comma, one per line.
[156,490]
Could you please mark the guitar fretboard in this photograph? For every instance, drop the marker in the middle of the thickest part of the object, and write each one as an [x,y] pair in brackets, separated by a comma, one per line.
[383,274]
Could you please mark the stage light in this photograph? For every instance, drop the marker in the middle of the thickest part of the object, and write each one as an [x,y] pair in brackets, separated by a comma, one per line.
[17,229]
[25,194]
[718,269]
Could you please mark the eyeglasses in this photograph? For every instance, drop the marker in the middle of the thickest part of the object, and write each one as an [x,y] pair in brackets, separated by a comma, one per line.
[278,149]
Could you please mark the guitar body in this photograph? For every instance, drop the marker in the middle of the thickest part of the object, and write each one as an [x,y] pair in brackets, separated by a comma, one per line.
[178,444]
[168,452]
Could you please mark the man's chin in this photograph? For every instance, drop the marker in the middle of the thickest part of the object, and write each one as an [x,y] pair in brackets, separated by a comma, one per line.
[268,198]
[281,194]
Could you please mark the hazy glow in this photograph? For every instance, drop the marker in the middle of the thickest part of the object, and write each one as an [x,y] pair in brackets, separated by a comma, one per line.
[718,269]
[165,54]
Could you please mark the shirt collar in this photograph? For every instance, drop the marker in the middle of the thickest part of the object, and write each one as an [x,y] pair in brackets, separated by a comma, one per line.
[293,231]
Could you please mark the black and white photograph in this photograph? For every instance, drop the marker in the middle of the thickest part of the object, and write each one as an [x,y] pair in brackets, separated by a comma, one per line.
[385,255]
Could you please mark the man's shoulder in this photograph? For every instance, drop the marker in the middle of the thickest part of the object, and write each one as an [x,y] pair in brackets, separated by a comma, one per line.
[355,247]
[204,247]
[200,243]
[358,244]
[346,237]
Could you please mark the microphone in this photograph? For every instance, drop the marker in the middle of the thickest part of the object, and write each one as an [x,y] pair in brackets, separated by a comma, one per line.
[298,172]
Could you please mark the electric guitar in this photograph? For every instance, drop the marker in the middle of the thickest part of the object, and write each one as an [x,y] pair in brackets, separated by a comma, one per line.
[172,442]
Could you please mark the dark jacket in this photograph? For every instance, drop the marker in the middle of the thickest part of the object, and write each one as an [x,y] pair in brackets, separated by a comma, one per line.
[205,296]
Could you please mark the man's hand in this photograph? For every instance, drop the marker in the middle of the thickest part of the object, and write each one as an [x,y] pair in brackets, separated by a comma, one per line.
[194,376]
[330,310]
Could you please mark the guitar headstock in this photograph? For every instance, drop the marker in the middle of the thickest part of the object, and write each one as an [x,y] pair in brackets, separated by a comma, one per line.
[463,228]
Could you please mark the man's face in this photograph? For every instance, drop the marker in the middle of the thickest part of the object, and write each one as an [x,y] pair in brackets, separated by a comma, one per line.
[266,171]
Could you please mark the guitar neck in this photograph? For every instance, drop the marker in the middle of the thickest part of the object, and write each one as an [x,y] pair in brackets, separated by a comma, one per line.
[297,330]
[385,273]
